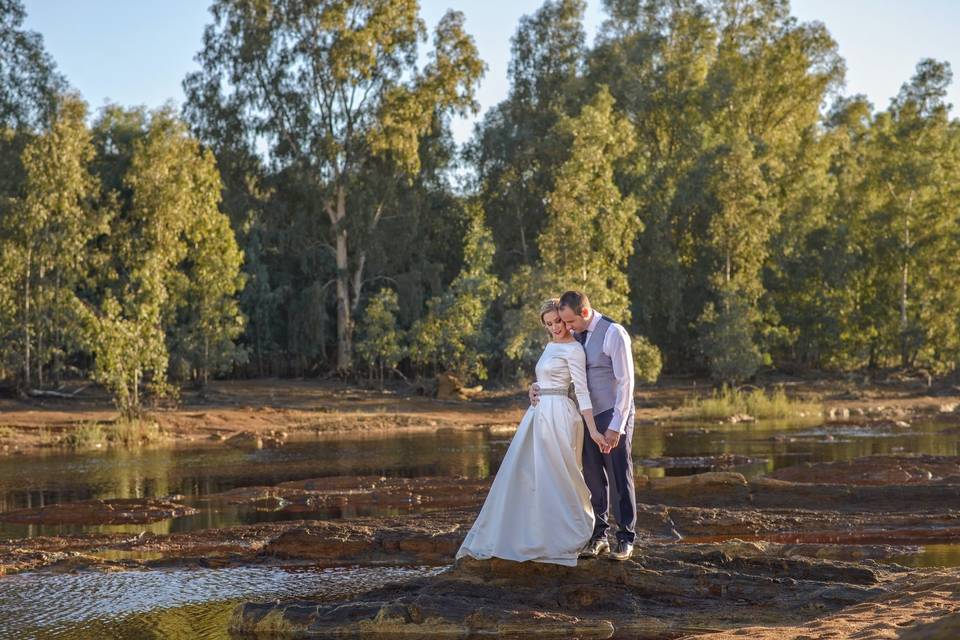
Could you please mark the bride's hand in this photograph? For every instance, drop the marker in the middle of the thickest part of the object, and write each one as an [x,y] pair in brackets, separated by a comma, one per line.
[600,440]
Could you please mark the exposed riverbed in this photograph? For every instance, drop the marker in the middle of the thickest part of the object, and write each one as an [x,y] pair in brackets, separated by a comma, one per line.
[195,602]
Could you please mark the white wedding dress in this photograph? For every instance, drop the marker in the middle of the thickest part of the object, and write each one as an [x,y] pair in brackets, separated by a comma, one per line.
[538,507]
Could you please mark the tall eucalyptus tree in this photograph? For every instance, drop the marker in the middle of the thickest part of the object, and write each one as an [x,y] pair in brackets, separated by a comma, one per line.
[329,87]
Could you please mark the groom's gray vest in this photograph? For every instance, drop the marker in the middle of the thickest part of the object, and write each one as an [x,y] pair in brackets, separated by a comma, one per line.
[600,379]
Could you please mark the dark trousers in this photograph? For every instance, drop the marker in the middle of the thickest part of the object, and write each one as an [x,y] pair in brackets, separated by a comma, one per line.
[611,473]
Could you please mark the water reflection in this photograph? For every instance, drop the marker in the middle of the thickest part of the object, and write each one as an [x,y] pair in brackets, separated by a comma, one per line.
[932,555]
[200,470]
[184,603]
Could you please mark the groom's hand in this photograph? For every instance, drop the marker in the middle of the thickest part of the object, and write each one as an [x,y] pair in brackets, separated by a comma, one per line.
[612,438]
[534,394]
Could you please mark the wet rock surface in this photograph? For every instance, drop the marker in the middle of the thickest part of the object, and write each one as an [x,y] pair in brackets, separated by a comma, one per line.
[722,461]
[877,470]
[304,496]
[95,512]
[717,553]
[668,591]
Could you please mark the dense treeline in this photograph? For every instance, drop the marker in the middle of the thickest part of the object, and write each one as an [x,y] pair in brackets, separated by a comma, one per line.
[696,169]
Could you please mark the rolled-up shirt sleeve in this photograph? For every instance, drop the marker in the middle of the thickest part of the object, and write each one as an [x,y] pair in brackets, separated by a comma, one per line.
[617,345]
[577,361]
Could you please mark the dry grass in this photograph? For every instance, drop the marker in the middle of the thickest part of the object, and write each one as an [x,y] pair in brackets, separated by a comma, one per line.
[759,403]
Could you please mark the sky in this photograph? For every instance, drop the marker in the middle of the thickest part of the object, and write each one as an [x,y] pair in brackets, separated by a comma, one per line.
[137,52]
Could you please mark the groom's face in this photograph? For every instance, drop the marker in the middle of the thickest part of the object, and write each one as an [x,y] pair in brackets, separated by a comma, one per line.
[574,321]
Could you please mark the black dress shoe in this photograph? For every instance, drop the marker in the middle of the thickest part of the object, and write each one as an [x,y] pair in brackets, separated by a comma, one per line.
[623,552]
[595,547]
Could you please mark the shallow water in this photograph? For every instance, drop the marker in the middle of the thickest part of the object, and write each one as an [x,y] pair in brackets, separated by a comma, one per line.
[168,604]
[200,470]
[196,603]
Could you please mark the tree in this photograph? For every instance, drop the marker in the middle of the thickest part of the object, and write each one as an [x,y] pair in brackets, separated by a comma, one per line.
[590,229]
[332,87]
[727,340]
[380,345]
[208,315]
[714,90]
[451,336]
[915,169]
[514,152]
[647,361]
[46,240]
[29,82]
[173,268]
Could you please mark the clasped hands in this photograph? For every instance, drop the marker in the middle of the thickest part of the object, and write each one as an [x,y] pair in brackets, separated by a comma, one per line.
[607,441]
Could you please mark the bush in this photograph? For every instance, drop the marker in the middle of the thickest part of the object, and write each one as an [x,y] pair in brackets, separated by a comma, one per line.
[647,361]
[726,339]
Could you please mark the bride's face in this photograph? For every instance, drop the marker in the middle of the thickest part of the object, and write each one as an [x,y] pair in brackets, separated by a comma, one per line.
[555,326]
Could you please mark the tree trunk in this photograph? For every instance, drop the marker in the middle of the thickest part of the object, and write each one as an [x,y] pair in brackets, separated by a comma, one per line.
[205,370]
[58,337]
[26,321]
[40,328]
[904,282]
[338,214]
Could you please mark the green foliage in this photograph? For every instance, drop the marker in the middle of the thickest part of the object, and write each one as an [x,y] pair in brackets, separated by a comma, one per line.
[335,93]
[647,361]
[682,170]
[123,432]
[46,242]
[86,435]
[727,341]
[170,281]
[869,286]
[381,342]
[514,151]
[127,351]
[590,228]
[758,403]
[30,83]
[452,336]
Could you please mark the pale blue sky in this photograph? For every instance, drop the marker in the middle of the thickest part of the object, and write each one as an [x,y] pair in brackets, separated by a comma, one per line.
[137,52]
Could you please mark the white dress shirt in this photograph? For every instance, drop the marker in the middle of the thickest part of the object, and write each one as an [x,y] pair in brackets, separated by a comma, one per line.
[616,345]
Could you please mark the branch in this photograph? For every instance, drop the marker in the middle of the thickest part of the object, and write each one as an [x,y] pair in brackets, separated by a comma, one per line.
[45,393]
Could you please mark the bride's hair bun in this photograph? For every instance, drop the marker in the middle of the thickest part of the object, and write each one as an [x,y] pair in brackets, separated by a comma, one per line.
[551,304]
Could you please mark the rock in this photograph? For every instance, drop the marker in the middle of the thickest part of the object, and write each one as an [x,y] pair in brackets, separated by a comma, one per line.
[333,542]
[669,591]
[948,408]
[946,627]
[875,470]
[901,424]
[245,440]
[98,512]
[449,387]
[250,440]
[722,487]
[740,417]
[721,461]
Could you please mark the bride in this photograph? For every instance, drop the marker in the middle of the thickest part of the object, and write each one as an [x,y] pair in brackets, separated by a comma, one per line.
[538,507]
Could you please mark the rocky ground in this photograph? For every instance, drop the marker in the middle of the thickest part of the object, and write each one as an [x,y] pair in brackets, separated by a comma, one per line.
[718,554]
[809,552]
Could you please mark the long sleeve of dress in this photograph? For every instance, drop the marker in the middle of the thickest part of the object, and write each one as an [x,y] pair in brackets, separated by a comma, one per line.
[577,361]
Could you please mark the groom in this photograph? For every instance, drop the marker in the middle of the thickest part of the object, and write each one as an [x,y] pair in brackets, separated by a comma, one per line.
[610,381]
